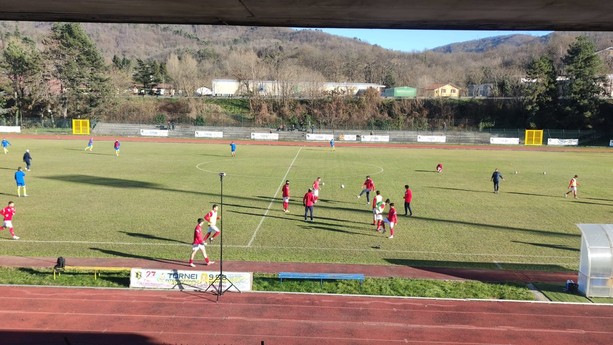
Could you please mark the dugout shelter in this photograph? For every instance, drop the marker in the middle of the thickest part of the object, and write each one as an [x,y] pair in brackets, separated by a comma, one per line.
[596,260]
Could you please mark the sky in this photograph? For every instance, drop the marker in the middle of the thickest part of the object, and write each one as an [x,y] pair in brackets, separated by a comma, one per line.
[419,40]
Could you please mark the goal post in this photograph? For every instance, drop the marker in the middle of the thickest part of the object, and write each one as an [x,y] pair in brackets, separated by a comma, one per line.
[80,126]
[534,137]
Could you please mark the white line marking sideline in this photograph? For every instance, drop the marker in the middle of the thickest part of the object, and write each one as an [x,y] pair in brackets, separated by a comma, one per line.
[272,200]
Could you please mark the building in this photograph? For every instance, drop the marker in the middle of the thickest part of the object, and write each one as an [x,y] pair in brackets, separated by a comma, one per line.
[443,90]
[274,88]
[400,92]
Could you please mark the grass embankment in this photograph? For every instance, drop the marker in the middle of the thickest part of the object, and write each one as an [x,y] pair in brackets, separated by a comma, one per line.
[269,282]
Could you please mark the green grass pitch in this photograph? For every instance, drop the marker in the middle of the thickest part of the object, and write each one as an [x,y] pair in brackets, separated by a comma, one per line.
[145,203]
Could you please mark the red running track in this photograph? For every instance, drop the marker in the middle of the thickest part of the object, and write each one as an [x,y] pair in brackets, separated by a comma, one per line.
[51,315]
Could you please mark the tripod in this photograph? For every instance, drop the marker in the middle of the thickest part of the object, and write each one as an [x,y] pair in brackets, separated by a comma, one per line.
[221,278]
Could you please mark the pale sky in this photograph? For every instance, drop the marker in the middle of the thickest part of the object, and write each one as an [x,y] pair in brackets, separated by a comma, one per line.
[419,40]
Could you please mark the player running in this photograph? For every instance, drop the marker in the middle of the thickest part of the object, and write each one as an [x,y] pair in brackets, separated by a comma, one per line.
[212,218]
[8,213]
[90,145]
[20,180]
[5,145]
[316,185]
[198,245]
[392,220]
[116,146]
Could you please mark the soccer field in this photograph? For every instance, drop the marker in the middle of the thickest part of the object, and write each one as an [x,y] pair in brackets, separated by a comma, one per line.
[145,203]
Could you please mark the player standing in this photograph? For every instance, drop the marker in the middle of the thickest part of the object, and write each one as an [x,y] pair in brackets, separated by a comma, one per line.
[90,145]
[199,244]
[5,145]
[116,146]
[572,187]
[379,213]
[233,149]
[212,218]
[392,220]
[20,180]
[285,194]
[375,201]
[316,184]
[308,201]
[8,213]
[369,186]
[332,144]
[408,197]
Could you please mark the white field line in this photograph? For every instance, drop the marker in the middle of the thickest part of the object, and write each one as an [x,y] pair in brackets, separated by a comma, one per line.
[359,250]
[272,200]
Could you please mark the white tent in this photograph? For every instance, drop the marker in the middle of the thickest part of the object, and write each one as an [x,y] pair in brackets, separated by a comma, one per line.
[596,262]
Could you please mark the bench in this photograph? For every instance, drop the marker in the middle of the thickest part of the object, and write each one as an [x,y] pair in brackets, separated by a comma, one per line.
[321,276]
[95,269]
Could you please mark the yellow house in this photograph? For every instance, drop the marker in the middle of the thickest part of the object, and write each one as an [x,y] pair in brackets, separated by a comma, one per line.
[443,90]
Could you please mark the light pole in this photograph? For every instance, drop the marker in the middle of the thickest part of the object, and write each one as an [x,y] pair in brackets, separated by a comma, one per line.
[221,276]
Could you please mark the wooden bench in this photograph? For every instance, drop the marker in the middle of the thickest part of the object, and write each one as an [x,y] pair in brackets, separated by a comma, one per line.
[95,269]
[321,276]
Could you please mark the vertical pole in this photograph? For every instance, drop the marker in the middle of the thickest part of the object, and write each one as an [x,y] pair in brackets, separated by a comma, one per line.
[221,277]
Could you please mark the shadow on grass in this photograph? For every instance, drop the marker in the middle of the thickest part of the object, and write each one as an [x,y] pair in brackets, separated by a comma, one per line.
[470,270]
[117,278]
[460,189]
[546,245]
[530,231]
[315,225]
[297,216]
[134,256]
[150,237]
[105,181]
[425,171]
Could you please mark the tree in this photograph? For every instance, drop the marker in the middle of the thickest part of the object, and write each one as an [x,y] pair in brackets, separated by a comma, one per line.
[22,63]
[541,100]
[184,72]
[149,73]
[80,69]
[583,69]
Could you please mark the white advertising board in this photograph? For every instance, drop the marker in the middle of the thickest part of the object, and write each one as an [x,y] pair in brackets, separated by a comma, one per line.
[154,132]
[504,141]
[375,138]
[562,142]
[320,137]
[208,134]
[348,137]
[188,280]
[10,129]
[265,136]
[431,139]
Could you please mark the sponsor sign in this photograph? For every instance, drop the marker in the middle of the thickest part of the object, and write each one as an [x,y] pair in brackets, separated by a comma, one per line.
[348,137]
[188,280]
[375,138]
[320,137]
[10,129]
[562,142]
[504,141]
[208,134]
[154,132]
[265,136]
[431,138]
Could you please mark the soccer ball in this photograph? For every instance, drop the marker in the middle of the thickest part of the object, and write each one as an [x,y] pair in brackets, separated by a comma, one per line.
[544,173]
[342,186]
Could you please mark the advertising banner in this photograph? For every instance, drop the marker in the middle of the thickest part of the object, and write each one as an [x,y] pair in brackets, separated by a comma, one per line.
[10,129]
[375,138]
[208,134]
[319,137]
[154,133]
[562,142]
[504,141]
[265,136]
[188,280]
[431,139]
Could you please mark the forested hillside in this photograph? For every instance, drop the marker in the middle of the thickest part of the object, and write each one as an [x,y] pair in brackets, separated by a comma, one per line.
[191,56]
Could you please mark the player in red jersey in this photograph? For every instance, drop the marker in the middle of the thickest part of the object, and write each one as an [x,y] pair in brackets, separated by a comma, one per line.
[212,218]
[379,213]
[392,219]
[285,194]
[199,244]
[439,168]
[408,197]
[8,213]
[316,184]
[369,186]
[308,201]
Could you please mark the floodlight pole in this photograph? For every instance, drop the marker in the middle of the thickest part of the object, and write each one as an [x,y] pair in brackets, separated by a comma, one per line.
[221,277]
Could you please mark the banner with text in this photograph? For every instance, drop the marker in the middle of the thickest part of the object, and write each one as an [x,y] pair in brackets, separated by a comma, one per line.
[208,134]
[504,141]
[348,137]
[188,280]
[375,138]
[431,139]
[154,132]
[265,136]
[562,142]
[10,129]
[320,137]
